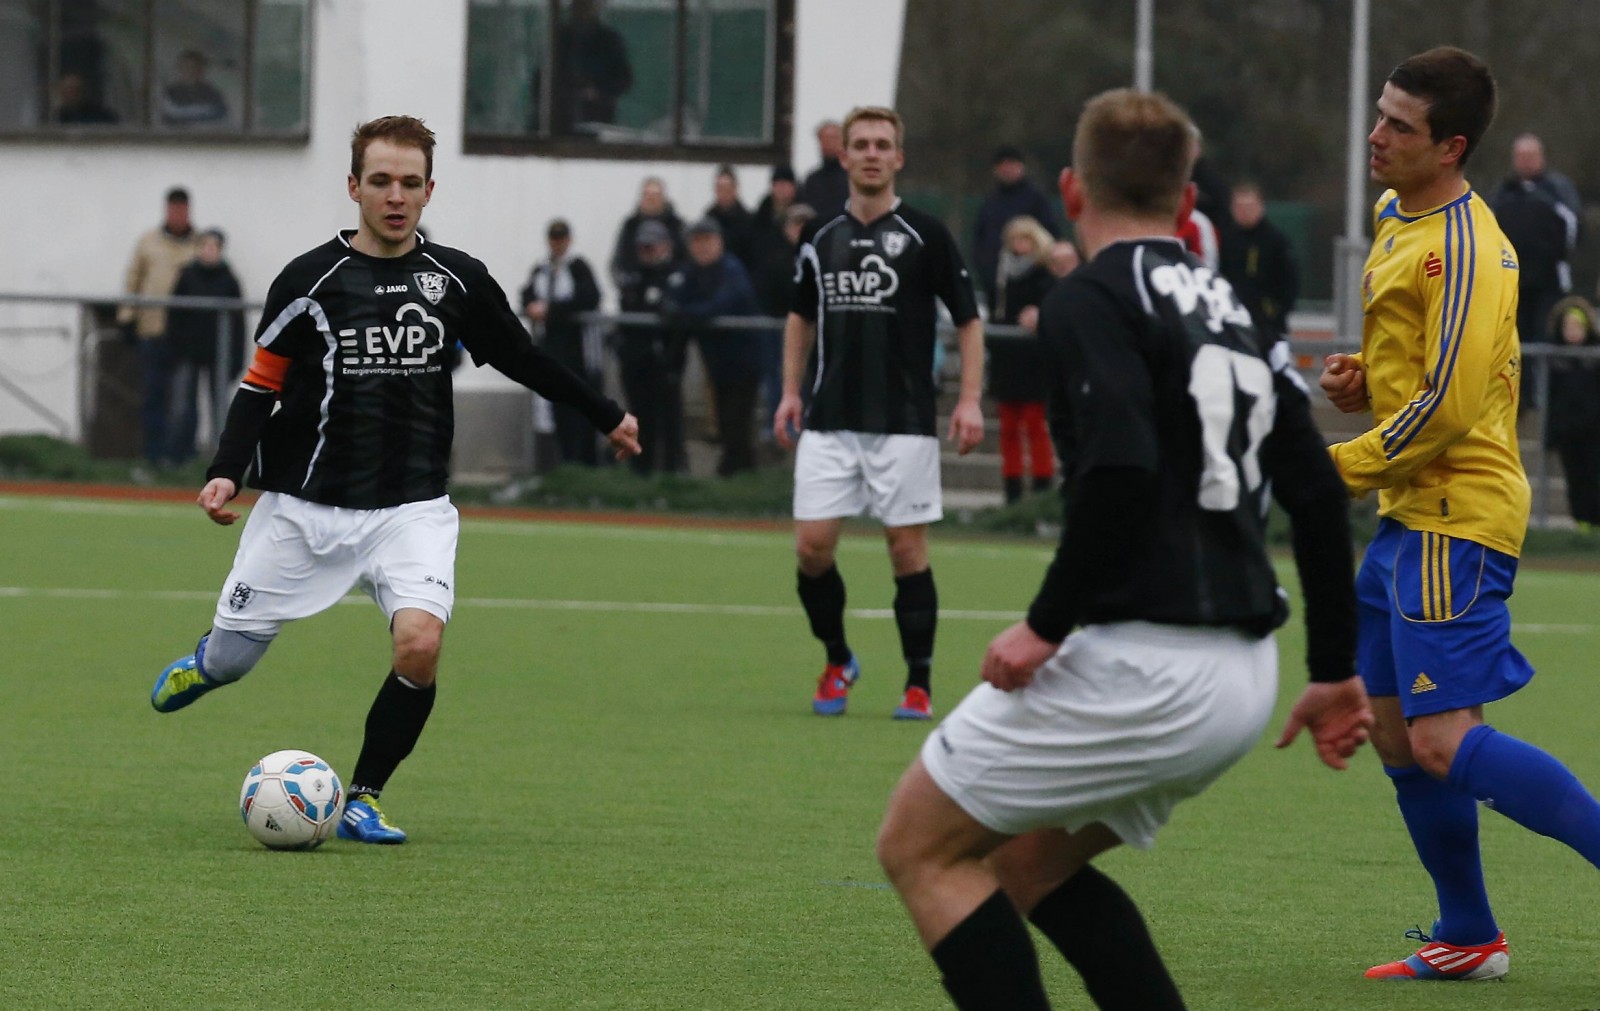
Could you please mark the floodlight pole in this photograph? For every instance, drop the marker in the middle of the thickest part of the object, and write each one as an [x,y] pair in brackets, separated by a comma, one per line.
[1144,57]
[1350,252]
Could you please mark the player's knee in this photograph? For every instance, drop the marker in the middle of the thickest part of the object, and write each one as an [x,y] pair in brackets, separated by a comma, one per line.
[815,556]
[1433,755]
[226,656]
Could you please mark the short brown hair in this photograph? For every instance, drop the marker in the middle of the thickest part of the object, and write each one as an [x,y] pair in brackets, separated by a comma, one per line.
[1133,151]
[402,131]
[879,112]
[1458,88]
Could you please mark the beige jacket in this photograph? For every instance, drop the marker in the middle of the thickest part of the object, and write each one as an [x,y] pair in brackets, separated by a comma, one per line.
[153,270]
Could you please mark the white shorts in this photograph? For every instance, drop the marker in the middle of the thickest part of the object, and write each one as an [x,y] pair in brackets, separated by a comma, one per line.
[893,477]
[1123,722]
[297,558]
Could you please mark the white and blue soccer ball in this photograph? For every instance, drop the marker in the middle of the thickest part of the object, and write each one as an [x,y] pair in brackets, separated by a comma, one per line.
[291,800]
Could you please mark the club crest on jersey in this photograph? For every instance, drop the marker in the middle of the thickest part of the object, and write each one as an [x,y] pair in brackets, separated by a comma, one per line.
[239,597]
[432,285]
[894,243]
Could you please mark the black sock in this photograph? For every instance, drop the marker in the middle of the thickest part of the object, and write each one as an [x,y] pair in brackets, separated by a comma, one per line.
[1097,927]
[394,723]
[916,614]
[823,598]
[989,963]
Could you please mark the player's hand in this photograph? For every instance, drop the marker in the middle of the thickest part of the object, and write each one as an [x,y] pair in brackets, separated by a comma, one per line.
[966,426]
[1338,715]
[1014,655]
[1344,382]
[788,420]
[537,311]
[214,498]
[1028,318]
[625,437]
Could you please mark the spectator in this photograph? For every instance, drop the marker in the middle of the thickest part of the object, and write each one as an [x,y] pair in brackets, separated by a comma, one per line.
[1064,258]
[653,206]
[152,271]
[714,283]
[77,105]
[828,186]
[737,223]
[190,99]
[194,337]
[774,283]
[1573,425]
[592,70]
[651,355]
[1018,370]
[558,291]
[1543,229]
[781,195]
[1198,231]
[1258,261]
[1014,195]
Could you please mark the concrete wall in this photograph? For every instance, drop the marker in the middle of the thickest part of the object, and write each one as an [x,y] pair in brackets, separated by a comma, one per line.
[74,209]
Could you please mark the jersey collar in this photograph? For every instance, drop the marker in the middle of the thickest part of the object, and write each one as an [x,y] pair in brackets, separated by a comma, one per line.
[1392,208]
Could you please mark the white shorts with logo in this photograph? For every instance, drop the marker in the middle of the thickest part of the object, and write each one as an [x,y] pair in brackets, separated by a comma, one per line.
[1123,722]
[893,477]
[297,558]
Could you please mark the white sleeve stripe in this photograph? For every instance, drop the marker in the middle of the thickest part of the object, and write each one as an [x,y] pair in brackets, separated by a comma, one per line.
[908,228]
[1138,281]
[313,290]
[284,318]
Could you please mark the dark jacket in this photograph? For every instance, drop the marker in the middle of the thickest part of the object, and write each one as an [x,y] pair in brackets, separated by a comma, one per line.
[1540,228]
[773,276]
[1001,205]
[192,333]
[1260,264]
[1018,369]
[1574,411]
[563,330]
[696,294]
[738,231]
[826,189]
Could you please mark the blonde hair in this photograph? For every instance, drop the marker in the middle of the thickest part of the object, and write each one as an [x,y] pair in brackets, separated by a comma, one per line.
[1134,151]
[1027,224]
[878,112]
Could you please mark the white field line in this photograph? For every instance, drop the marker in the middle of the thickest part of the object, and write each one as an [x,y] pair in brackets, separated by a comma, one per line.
[624,606]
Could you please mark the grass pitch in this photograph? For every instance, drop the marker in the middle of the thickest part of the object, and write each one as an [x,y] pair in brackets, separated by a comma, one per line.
[622,800]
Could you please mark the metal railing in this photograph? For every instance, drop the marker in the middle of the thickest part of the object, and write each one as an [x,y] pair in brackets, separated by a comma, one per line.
[1536,361]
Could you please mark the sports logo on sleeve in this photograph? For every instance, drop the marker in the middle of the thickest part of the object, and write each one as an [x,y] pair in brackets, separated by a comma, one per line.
[433,285]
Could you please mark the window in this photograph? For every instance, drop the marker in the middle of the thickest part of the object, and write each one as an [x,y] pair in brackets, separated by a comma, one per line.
[154,67]
[701,79]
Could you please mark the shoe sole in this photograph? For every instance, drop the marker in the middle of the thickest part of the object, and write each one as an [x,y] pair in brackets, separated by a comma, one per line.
[911,714]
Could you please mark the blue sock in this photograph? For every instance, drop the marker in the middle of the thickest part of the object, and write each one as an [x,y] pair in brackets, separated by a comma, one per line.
[1528,786]
[1443,822]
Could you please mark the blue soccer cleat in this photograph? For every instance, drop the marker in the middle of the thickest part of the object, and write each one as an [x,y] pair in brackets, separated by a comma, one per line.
[181,683]
[364,822]
[833,688]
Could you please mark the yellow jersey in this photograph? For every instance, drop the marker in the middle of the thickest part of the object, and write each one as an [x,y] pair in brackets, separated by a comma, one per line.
[1442,366]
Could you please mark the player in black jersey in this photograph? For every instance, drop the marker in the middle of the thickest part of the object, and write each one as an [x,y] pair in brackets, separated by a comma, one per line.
[1179,424]
[344,421]
[864,297]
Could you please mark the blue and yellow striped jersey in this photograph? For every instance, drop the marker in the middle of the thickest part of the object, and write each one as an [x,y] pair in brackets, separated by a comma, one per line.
[1442,359]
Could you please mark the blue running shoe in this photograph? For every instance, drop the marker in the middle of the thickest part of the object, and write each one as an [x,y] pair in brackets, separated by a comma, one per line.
[833,688]
[180,684]
[363,821]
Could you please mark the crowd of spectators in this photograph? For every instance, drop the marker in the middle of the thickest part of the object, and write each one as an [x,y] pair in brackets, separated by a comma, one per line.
[682,271]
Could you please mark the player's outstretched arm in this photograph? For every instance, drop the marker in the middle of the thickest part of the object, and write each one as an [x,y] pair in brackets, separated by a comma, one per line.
[1338,715]
[214,498]
[625,437]
[1344,381]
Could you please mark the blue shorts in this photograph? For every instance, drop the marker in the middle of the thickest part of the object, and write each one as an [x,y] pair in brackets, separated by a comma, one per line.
[1434,626]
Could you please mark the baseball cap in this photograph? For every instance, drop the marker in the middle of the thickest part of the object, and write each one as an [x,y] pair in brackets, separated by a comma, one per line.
[651,233]
[705,226]
[1007,152]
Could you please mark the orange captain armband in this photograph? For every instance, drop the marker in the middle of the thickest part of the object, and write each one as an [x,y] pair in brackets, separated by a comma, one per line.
[267,371]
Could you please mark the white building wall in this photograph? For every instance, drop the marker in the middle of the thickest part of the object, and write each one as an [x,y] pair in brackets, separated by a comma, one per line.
[74,210]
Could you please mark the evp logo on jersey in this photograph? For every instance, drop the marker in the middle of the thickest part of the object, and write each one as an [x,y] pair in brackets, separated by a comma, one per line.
[867,286]
[408,346]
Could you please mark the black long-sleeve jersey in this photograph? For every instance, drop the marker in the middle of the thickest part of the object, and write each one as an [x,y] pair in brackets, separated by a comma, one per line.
[870,289]
[1177,426]
[350,352]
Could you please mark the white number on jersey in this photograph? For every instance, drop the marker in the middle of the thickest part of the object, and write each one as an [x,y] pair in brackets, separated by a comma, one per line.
[1216,377]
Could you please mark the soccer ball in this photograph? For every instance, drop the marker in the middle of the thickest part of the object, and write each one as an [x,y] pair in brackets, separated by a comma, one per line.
[291,800]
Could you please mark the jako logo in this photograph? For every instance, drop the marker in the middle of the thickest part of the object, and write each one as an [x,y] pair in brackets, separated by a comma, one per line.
[870,285]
